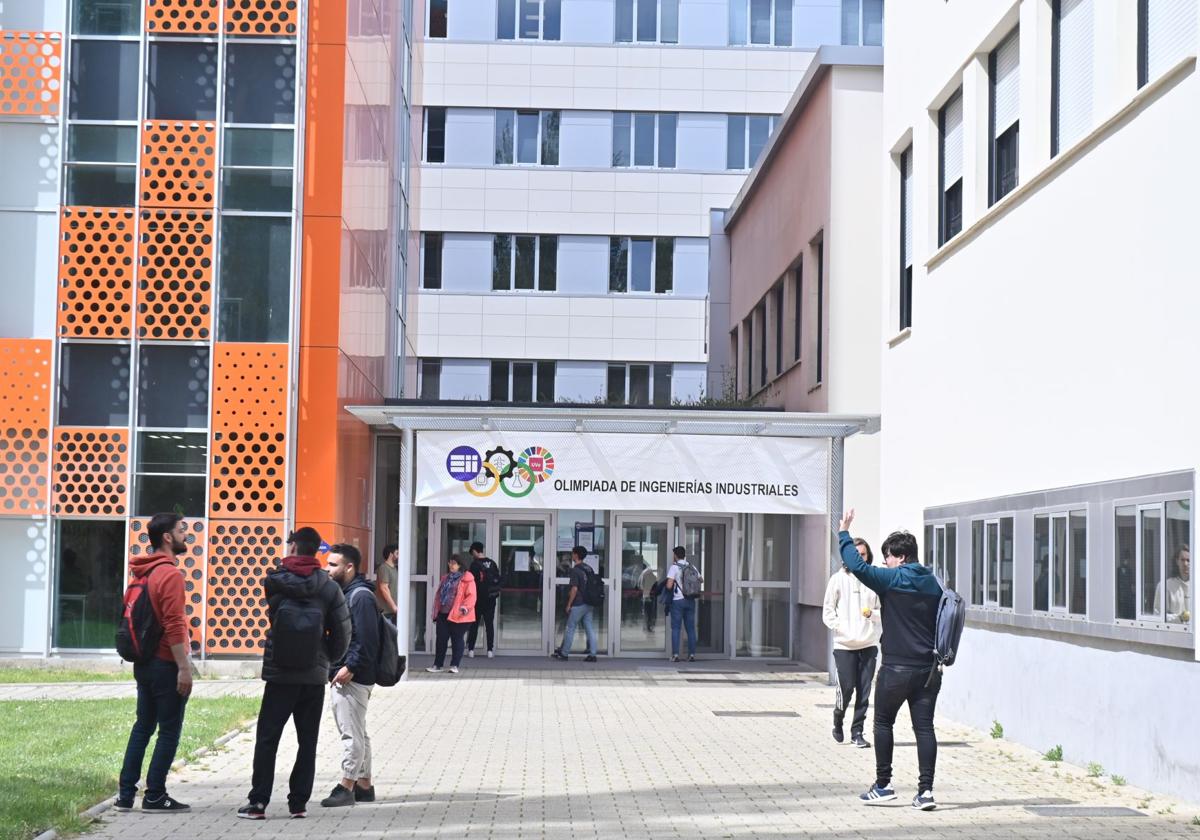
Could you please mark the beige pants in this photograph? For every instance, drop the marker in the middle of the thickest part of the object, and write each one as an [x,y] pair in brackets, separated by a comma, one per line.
[349,704]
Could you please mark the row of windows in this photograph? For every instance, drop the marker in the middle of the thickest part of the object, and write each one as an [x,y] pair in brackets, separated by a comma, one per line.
[633,383]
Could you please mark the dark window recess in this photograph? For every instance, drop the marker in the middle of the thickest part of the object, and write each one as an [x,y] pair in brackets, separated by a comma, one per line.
[906,297]
[1004,157]
[438,14]
[667,125]
[551,20]
[435,135]
[952,211]
[797,311]
[736,142]
[545,382]
[820,311]
[263,190]
[93,385]
[664,265]
[622,150]
[499,382]
[526,259]
[778,303]
[639,384]
[616,384]
[748,327]
[172,387]
[548,263]
[905,240]
[618,264]
[501,262]
[431,275]
[624,21]
[260,83]
[89,581]
[662,384]
[181,81]
[254,292]
[522,382]
[102,143]
[101,186]
[761,315]
[506,132]
[431,379]
[550,124]
[104,80]
[106,17]
[171,473]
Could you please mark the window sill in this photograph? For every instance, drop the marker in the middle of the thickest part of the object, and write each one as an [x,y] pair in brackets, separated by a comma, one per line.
[815,388]
[900,337]
[1155,638]
[1061,161]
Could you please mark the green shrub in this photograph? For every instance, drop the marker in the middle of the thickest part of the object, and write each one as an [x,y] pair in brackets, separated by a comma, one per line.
[1054,753]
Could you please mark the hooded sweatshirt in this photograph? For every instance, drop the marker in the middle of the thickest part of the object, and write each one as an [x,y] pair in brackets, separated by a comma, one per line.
[300,579]
[845,599]
[166,597]
[363,654]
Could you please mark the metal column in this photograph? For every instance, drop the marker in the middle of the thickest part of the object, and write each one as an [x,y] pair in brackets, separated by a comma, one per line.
[406,539]
[837,460]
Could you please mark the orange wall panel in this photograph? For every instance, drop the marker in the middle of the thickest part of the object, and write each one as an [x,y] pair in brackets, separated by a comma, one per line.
[178,164]
[182,17]
[24,426]
[327,21]
[316,436]
[175,275]
[30,73]
[321,268]
[324,130]
[95,272]
[261,18]
[240,554]
[90,472]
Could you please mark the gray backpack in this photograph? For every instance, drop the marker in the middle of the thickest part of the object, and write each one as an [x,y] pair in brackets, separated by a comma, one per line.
[690,581]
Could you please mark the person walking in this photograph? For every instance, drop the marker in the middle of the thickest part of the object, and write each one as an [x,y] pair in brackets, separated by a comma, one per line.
[851,611]
[352,677]
[453,612]
[165,682]
[578,609]
[683,583]
[385,582]
[309,627]
[649,607]
[487,588]
[909,595]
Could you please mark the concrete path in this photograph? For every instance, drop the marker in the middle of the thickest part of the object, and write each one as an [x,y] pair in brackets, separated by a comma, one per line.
[533,750]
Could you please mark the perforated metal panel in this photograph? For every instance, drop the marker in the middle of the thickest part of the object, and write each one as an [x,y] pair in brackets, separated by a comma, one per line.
[24,426]
[90,474]
[192,17]
[175,273]
[95,272]
[193,563]
[260,17]
[178,164]
[30,73]
[240,553]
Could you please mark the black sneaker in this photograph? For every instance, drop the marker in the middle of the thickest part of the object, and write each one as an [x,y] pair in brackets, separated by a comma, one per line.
[675,658]
[298,815]
[252,811]
[924,801]
[589,658]
[123,804]
[164,805]
[339,797]
[558,654]
[860,742]
[691,659]
[838,734]
[362,794]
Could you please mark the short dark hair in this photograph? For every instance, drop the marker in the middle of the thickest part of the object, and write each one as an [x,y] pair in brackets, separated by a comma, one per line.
[477,546]
[579,551]
[160,525]
[349,553]
[306,540]
[900,544]
[388,549]
[454,558]
[870,558]
[680,552]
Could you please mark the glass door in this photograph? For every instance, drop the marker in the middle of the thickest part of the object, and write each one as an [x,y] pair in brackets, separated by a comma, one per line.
[645,546]
[455,533]
[707,544]
[589,529]
[522,552]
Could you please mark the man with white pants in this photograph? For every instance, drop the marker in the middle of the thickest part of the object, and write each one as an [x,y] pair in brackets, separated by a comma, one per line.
[353,677]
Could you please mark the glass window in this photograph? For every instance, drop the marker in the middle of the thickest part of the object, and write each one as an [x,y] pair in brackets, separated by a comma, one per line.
[545,382]
[102,143]
[550,123]
[641,264]
[93,385]
[526,259]
[647,20]
[172,387]
[1004,105]
[522,382]
[850,28]
[618,265]
[1078,562]
[624,26]
[265,190]
[527,136]
[181,81]
[530,18]
[622,148]
[667,124]
[760,21]
[736,142]
[872,34]
[662,384]
[762,621]
[616,383]
[783,23]
[950,126]
[104,80]
[431,275]
[760,130]
[106,17]
[101,186]
[669,30]
[260,83]
[435,135]
[506,19]
[499,382]
[431,378]
[664,264]
[1175,599]
[548,263]
[501,262]
[643,139]
[506,130]
[1166,33]
[258,147]
[171,473]
[255,279]
[978,573]
[551,20]
[639,384]
[89,582]
[1150,527]
[1125,517]
[1041,563]
[438,14]
[737,23]
[769,557]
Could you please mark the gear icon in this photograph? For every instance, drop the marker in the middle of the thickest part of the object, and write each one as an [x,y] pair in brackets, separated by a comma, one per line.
[505,464]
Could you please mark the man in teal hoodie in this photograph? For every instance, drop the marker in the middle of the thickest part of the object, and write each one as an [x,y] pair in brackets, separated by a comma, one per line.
[909,594]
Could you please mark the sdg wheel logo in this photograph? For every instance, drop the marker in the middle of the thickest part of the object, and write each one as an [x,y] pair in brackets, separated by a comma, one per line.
[538,461]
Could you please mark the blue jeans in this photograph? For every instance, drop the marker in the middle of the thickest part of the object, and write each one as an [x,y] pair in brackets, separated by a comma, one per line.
[158,706]
[683,612]
[579,612]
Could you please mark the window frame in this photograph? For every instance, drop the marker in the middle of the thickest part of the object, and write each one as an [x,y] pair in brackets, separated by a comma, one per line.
[625,243]
[631,139]
[1007,145]
[510,379]
[744,9]
[861,18]
[427,112]
[1061,513]
[1140,504]
[425,367]
[906,240]
[634,38]
[517,17]
[544,117]
[945,218]
[540,243]
[772,122]
[995,563]
[937,560]
[441,239]
[652,369]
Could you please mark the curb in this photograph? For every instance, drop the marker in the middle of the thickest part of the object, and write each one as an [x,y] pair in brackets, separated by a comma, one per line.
[93,813]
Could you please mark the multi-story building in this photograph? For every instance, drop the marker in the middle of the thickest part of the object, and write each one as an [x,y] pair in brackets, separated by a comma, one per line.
[199,205]
[1040,291]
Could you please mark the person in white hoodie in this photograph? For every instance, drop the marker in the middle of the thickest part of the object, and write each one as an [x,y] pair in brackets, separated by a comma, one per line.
[852,613]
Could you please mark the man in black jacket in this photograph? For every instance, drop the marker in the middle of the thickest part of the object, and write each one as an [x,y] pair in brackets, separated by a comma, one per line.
[352,678]
[309,628]
[487,586]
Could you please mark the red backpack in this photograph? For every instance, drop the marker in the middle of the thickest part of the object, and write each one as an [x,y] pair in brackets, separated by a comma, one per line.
[139,631]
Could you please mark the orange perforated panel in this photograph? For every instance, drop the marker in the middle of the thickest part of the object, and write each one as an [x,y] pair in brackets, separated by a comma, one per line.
[250,387]
[192,17]
[90,472]
[192,563]
[178,164]
[30,69]
[240,554]
[260,17]
[248,474]
[24,425]
[175,272]
[95,272]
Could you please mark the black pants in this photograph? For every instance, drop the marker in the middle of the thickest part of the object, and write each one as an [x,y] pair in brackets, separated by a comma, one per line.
[448,632]
[303,704]
[897,684]
[485,612]
[160,707]
[650,610]
[855,673]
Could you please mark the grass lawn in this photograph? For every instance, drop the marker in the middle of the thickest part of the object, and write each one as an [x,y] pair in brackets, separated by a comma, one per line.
[60,757]
[11,675]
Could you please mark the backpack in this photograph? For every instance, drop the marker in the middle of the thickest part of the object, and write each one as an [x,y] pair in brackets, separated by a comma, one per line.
[593,588]
[138,630]
[690,581]
[388,668]
[491,578]
[951,615]
[297,633]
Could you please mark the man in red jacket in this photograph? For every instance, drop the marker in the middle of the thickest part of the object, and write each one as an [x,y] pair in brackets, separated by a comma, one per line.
[164,683]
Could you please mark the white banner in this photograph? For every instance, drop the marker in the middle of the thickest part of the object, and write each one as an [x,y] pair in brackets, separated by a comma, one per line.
[593,471]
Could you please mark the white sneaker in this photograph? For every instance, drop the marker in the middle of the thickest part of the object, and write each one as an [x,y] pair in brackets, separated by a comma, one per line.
[491,654]
[453,669]
[471,653]
[433,669]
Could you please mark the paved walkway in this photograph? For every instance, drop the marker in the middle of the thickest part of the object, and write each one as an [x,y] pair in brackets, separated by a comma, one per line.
[570,752]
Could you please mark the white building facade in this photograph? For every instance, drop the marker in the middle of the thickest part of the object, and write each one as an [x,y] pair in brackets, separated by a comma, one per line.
[1040,297]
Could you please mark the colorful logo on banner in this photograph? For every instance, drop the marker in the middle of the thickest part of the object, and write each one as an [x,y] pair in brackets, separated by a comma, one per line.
[500,469]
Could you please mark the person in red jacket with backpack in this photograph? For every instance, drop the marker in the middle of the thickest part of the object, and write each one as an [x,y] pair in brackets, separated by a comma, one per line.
[164,683]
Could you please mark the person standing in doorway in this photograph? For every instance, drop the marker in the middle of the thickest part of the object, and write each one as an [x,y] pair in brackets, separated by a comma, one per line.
[352,678]
[649,608]
[852,613]
[165,682]
[487,588]
[309,628]
[683,584]
[578,609]
[454,612]
[385,583]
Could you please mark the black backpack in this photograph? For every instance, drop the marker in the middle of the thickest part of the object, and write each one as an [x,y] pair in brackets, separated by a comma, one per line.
[138,630]
[593,588]
[388,668]
[491,578]
[297,633]
[951,615]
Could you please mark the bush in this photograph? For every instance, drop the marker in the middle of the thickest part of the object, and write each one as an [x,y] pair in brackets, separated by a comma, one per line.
[1095,770]
[997,730]
[1054,753]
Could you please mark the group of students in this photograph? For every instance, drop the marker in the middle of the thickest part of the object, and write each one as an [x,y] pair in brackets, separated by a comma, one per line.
[326,628]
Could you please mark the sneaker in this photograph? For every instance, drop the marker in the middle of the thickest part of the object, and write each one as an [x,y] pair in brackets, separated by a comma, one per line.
[339,797]
[453,669]
[860,742]
[691,659]
[558,654]
[434,669]
[491,654]
[123,804]
[164,805]
[298,815]
[590,658]
[877,796]
[924,801]
[362,794]
[675,658]
[471,653]
[838,734]
[252,811]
